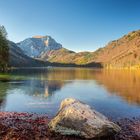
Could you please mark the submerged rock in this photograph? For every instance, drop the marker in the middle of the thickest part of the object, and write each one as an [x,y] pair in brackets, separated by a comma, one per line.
[77,118]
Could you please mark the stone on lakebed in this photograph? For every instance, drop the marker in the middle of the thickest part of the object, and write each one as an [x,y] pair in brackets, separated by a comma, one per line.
[79,119]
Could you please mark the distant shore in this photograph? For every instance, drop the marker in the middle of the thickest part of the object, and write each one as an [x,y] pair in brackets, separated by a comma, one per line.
[26,126]
[57,65]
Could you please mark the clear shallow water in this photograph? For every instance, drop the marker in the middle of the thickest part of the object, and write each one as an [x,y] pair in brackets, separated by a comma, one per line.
[115,93]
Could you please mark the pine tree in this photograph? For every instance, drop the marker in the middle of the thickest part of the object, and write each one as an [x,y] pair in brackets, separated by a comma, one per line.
[4,49]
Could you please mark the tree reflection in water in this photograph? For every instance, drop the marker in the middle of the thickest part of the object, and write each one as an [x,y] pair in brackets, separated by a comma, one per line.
[32,89]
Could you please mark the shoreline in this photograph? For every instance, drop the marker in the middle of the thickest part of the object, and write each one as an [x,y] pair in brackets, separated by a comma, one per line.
[69,65]
[27,126]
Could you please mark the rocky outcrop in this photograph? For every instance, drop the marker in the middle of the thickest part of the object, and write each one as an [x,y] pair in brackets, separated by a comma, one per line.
[77,118]
[36,46]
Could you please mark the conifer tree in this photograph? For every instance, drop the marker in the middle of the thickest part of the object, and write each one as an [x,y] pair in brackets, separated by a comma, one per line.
[4,49]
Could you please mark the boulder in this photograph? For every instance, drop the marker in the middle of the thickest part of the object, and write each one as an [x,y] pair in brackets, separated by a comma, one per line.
[77,118]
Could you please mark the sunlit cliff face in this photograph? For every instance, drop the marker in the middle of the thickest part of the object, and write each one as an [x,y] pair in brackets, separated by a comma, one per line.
[38,36]
[46,41]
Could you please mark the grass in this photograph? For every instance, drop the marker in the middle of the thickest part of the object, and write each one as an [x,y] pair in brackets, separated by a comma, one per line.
[7,77]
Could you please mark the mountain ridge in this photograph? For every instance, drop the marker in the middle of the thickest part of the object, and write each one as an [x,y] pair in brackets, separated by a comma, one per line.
[123,52]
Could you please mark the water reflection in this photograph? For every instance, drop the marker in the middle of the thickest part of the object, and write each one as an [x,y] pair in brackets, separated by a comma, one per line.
[123,83]
[113,92]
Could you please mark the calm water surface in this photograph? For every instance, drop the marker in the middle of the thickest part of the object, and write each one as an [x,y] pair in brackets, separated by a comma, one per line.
[115,93]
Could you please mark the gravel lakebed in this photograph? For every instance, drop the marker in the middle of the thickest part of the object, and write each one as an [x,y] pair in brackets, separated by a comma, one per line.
[27,126]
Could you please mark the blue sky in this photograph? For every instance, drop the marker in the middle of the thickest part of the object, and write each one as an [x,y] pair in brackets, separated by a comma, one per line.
[76,24]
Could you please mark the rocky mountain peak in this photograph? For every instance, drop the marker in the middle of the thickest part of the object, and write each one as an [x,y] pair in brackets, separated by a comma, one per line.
[37,45]
[38,36]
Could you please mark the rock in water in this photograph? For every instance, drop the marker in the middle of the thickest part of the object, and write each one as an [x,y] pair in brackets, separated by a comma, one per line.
[77,118]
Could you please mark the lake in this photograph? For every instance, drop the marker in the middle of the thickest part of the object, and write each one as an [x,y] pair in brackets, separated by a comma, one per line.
[115,93]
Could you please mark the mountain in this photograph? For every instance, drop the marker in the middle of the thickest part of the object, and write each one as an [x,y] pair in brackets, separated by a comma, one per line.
[38,45]
[47,49]
[17,58]
[124,52]
[66,56]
